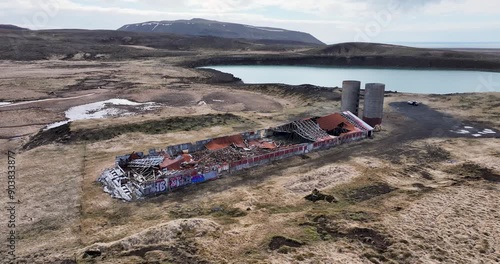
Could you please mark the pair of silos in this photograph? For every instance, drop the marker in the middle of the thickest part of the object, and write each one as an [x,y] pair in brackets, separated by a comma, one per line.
[373,109]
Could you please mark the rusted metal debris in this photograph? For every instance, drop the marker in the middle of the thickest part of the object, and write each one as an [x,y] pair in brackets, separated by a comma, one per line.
[138,175]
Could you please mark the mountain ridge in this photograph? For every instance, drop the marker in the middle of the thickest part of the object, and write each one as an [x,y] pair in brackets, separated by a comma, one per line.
[204,27]
[11,27]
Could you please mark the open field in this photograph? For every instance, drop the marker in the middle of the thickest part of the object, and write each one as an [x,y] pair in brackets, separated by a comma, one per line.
[416,193]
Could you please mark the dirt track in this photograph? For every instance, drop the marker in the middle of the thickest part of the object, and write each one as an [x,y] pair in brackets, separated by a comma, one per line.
[426,122]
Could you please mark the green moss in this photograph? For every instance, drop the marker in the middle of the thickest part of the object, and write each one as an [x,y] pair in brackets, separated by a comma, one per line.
[357,216]
[311,234]
[276,209]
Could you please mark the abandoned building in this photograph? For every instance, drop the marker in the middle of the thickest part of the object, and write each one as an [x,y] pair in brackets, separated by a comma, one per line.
[140,175]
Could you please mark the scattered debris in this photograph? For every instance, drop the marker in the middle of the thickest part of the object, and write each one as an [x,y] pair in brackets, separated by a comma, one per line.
[338,130]
[138,175]
[318,196]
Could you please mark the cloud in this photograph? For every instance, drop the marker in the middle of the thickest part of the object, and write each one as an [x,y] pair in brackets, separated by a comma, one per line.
[465,7]
[329,20]
[405,4]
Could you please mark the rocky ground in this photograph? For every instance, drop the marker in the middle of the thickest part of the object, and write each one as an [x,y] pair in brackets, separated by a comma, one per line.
[419,192]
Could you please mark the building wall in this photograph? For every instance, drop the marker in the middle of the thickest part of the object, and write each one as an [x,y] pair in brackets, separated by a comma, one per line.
[188,177]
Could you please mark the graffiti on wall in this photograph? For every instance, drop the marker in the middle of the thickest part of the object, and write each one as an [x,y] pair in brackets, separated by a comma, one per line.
[156,187]
[179,181]
[165,185]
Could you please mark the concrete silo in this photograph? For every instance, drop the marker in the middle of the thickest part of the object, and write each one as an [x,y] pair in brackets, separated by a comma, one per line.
[350,96]
[374,103]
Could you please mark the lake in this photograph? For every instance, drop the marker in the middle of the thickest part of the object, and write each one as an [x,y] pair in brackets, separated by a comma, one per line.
[407,80]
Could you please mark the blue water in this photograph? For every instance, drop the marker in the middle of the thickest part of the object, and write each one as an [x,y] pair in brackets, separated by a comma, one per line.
[411,81]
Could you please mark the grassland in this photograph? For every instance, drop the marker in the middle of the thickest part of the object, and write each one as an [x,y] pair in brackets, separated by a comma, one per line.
[412,194]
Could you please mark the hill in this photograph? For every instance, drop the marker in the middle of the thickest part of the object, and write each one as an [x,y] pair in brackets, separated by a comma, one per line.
[45,44]
[365,48]
[202,27]
[361,54]
[11,27]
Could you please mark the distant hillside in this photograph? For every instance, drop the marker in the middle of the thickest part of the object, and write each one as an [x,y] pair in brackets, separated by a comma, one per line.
[364,48]
[370,51]
[202,27]
[11,27]
[357,54]
[44,44]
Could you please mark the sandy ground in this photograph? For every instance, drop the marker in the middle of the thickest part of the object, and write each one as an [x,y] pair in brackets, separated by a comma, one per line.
[56,83]
[408,196]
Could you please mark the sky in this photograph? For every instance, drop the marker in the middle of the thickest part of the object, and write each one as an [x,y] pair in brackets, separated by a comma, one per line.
[331,21]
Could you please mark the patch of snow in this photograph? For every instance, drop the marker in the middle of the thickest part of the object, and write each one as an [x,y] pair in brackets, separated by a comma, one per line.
[102,109]
[155,26]
[488,131]
[267,29]
[476,135]
[462,131]
[468,127]
[56,124]
[271,29]
[5,103]
[149,23]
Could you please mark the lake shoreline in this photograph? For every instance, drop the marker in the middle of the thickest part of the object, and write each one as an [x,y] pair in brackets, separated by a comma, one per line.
[410,81]
[383,62]
[358,54]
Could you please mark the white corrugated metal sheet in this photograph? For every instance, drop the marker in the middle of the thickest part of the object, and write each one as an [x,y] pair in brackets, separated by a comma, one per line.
[359,121]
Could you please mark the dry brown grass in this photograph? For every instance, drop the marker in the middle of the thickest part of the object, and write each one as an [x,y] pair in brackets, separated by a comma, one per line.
[49,186]
[427,214]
